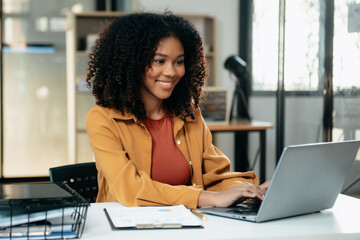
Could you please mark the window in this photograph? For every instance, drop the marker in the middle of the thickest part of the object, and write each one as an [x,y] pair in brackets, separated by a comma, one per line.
[304,41]
[302,45]
[304,58]
[346,61]
[346,72]
[265,45]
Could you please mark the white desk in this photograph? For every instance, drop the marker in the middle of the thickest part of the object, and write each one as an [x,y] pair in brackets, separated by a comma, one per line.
[340,222]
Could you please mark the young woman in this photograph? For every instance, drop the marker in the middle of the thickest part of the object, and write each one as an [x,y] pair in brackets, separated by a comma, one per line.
[151,144]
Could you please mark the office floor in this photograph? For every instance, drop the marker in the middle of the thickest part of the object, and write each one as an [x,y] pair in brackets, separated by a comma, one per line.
[354,191]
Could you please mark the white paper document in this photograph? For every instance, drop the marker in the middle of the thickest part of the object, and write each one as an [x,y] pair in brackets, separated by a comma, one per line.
[6,220]
[152,217]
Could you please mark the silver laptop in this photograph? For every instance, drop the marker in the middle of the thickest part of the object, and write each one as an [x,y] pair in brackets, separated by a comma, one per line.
[307,179]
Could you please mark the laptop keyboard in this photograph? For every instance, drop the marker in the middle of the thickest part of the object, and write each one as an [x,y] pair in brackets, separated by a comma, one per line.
[239,210]
[250,207]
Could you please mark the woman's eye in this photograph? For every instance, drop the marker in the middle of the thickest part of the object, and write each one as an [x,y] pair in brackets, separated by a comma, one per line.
[179,62]
[159,61]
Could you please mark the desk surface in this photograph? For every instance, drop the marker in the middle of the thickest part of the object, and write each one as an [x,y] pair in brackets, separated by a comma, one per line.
[340,222]
[241,125]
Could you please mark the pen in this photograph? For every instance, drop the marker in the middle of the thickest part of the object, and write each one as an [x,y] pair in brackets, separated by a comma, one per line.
[199,215]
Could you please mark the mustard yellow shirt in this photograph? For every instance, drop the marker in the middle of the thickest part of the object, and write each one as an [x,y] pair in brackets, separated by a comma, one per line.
[122,150]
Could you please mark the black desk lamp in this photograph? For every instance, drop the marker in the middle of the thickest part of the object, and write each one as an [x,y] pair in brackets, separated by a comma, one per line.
[238,67]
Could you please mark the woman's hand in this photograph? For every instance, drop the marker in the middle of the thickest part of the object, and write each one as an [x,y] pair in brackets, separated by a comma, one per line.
[265,185]
[235,194]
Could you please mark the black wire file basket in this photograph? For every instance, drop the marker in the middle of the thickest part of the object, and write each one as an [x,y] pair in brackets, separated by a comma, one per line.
[41,211]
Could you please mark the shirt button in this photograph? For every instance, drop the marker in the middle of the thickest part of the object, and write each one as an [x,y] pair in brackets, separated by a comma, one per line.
[178,142]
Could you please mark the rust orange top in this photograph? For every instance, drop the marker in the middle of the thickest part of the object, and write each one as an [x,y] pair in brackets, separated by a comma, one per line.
[168,164]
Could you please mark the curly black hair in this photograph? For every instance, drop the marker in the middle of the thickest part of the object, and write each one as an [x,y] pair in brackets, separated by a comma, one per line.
[127,46]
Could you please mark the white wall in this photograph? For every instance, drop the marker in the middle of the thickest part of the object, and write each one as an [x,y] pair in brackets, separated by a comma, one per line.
[226,15]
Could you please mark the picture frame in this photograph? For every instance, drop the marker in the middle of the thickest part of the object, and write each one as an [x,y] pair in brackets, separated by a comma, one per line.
[214,107]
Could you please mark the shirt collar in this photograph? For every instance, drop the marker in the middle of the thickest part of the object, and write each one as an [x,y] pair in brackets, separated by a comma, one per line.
[117,114]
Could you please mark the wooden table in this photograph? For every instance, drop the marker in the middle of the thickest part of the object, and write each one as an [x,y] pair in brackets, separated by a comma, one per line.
[242,125]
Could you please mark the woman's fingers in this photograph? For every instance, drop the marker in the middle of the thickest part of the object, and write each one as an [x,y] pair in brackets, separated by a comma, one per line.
[257,192]
[265,185]
[235,194]
[251,191]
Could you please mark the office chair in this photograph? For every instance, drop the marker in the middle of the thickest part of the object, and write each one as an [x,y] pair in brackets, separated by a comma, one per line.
[82,177]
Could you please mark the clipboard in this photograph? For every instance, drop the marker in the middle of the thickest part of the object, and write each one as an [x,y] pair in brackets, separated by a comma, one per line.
[160,217]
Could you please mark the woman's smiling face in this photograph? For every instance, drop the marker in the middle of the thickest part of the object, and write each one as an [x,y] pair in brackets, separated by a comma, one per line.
[167,68]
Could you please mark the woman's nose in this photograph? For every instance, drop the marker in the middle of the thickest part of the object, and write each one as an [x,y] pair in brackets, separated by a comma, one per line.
[169,70]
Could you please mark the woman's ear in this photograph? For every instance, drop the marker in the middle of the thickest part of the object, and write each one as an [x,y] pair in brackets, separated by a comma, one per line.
[148,67]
